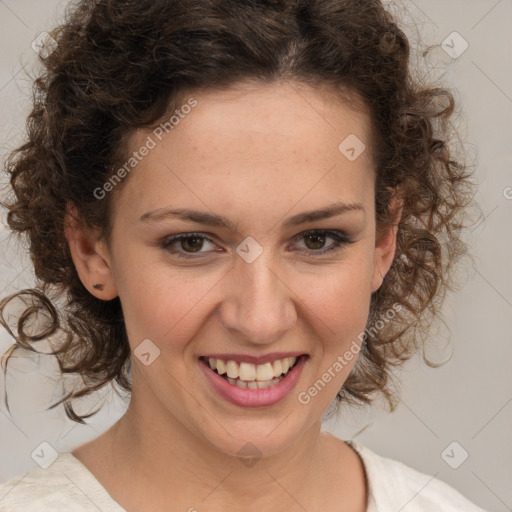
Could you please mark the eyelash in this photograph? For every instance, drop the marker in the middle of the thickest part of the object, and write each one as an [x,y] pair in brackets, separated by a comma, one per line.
[337,236]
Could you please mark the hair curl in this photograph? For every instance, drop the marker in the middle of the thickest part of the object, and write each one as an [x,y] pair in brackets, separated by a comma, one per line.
[120,65]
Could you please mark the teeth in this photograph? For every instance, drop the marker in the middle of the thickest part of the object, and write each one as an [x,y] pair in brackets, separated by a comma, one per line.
[221,367]
[251,373]
[247,371]
[232,369]
[278,368]
[267,383]
[264,371]
[241,384]
[255,384]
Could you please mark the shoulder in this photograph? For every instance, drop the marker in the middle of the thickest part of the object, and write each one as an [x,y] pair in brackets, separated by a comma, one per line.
[394,486]
[65,485]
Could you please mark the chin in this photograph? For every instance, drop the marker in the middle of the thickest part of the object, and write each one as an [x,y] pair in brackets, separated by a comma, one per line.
[256,438]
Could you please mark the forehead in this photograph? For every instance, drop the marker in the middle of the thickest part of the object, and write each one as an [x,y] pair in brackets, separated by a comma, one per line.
[271,144]
[291,111]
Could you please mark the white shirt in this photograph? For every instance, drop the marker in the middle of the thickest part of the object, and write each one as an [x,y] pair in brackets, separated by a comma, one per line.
[67,485]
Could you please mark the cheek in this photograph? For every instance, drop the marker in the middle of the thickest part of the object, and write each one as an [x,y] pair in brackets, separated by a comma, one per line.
[158,298]
[337,306]
[165,306]
[340,313]
[338,295]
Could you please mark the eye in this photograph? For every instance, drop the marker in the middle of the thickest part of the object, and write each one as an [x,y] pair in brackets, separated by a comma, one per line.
[315,240]
[192,242]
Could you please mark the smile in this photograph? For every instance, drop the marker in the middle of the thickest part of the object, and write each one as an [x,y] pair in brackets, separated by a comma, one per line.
[252,376]
[253,385]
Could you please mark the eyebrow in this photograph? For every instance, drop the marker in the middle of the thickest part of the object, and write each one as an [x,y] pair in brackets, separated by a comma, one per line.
[219,221]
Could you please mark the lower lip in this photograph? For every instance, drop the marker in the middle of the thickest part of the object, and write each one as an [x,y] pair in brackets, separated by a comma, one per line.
[253,397]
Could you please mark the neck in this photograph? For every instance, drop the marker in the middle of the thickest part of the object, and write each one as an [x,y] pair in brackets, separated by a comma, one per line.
[170,463]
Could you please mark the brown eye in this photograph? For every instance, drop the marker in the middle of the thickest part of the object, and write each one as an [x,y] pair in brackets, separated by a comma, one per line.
[317,241]
[192,243]
[189,243]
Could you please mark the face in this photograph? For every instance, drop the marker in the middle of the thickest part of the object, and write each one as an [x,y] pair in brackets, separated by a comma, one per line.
[267,285]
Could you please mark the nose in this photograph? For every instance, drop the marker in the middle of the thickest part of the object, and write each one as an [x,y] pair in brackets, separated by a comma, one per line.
[259,306]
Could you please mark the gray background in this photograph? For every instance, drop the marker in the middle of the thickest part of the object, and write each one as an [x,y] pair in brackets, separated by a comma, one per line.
[467,401]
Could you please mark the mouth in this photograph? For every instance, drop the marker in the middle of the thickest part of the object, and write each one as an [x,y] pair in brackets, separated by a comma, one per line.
[253,385]
[252,376]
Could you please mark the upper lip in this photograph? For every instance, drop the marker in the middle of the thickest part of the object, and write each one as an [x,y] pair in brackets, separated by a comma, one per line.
[245,358]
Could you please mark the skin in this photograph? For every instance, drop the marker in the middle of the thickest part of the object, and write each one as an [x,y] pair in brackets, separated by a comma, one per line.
[258,155]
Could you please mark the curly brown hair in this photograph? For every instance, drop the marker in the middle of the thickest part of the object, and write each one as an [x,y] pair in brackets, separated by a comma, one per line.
[120,65]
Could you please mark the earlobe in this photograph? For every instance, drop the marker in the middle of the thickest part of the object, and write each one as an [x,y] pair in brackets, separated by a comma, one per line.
[384,254]
[90,256]
[385,247]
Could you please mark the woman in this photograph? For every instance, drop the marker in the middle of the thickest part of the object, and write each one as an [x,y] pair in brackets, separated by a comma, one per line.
[257,201]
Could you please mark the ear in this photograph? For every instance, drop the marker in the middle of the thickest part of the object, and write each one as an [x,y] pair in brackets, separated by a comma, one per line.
[90,256]
[385,244]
